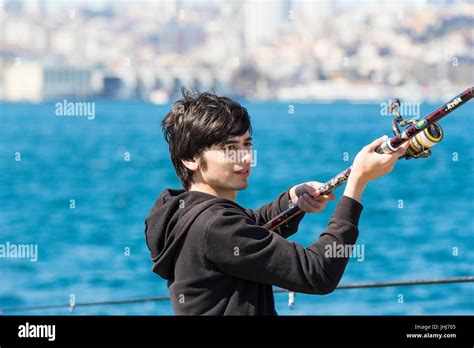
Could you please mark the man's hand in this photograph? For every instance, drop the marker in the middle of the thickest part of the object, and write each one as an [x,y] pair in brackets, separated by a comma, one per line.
[307,197]
[369,165]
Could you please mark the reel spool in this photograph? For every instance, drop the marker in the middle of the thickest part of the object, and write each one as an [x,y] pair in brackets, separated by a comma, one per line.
[419,145]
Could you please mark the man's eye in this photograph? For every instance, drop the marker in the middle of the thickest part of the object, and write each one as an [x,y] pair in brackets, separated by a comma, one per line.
[230,147]
[248,144]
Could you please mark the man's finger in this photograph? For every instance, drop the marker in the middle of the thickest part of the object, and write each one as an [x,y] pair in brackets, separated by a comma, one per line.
[312,199]
[303,204]
[324,198]
[373,145]
[315,205]
[312,188]
[330,197]
[402,149]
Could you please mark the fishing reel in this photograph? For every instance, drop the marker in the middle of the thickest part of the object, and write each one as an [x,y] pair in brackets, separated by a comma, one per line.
[419,145]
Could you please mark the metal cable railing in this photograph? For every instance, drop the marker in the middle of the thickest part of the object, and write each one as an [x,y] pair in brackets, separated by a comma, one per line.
[463,279]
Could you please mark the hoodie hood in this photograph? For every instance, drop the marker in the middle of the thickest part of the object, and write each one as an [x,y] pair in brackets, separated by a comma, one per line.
[164,243]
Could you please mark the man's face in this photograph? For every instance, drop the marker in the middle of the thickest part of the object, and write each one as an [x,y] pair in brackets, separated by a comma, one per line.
[227,167]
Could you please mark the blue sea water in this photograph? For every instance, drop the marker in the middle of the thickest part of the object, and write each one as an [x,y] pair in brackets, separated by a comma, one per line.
[83,251]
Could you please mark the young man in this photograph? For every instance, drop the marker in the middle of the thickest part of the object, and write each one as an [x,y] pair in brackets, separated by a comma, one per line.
[217,258]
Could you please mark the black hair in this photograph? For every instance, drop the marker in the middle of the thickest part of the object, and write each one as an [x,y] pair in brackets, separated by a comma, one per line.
[198,121]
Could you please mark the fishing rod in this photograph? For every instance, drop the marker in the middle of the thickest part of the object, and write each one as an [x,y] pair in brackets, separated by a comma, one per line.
[422,134]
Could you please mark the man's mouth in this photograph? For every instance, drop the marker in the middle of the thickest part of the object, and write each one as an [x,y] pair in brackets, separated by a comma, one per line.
[244,172]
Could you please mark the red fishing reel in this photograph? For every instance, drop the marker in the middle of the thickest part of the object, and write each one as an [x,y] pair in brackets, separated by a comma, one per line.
[419,145]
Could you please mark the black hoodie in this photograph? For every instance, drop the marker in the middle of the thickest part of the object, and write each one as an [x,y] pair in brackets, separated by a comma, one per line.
[222,262]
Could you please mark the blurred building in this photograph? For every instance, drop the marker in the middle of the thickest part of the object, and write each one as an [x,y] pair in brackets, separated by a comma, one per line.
[258,49]
[70,82]
[23,81]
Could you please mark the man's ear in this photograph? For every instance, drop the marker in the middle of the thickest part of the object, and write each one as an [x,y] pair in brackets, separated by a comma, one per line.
[191,164]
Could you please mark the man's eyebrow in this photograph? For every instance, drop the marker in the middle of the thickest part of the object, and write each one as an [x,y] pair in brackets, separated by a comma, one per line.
[235,140]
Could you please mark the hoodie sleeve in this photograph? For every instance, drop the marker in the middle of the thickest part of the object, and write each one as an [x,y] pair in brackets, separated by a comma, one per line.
[238,247]
[268,211]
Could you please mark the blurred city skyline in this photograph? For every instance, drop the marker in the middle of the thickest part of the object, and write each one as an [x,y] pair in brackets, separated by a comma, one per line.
[261,50]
